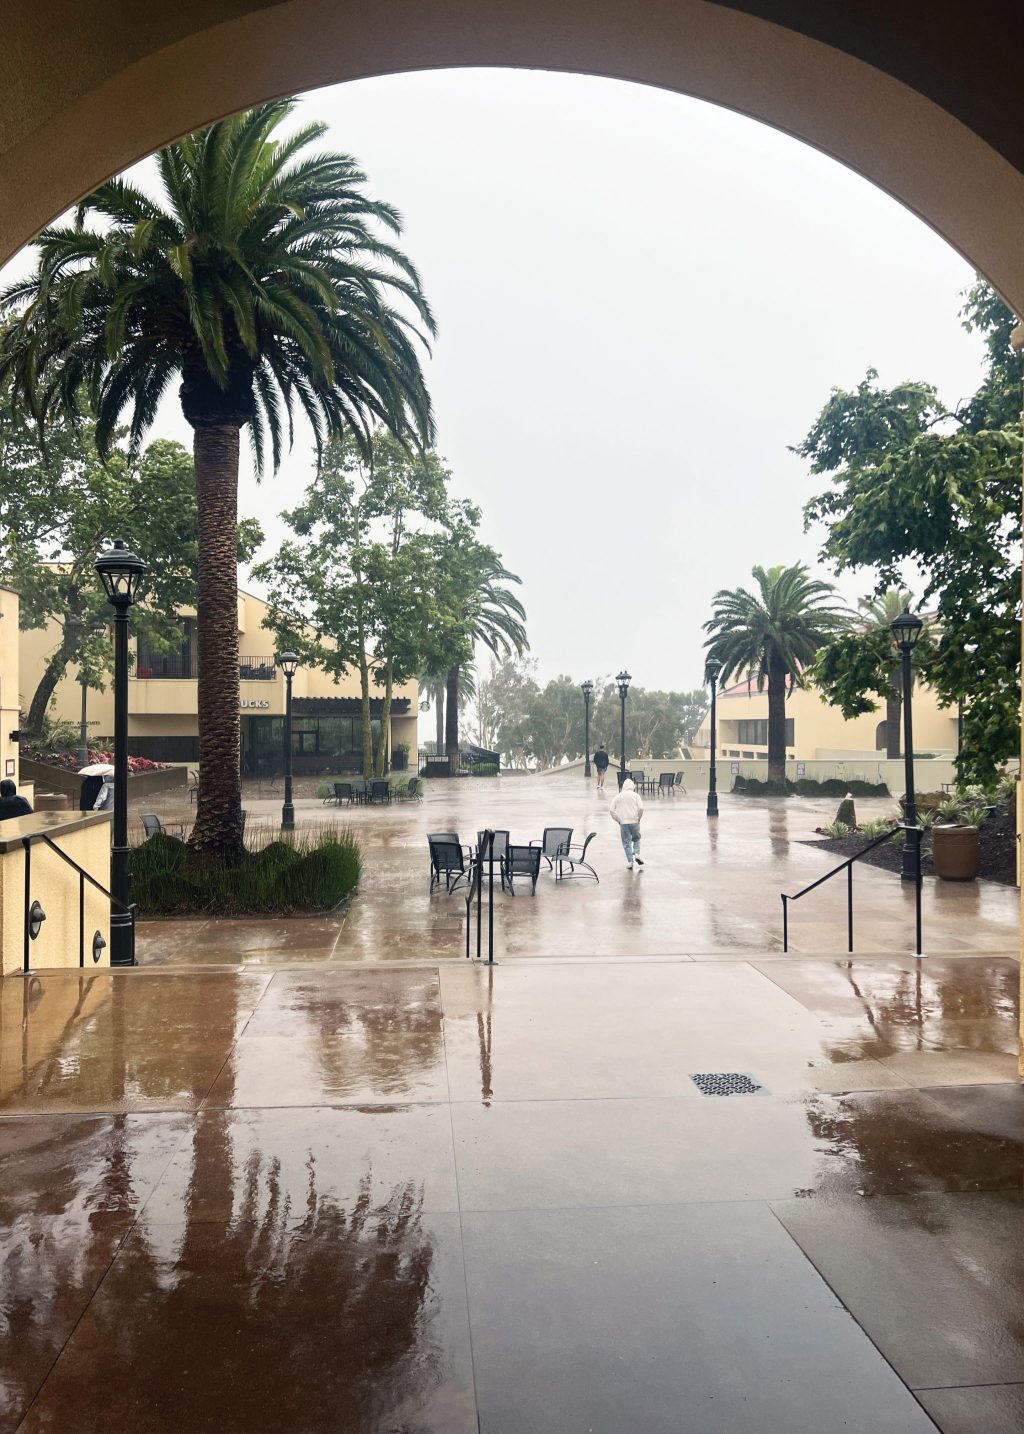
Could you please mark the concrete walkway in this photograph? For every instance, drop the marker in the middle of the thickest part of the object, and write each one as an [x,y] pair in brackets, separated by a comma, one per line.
[327,1176]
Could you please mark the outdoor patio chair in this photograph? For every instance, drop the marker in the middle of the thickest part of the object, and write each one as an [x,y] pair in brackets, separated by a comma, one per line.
[679,783]
[448,860]
[340,792]
[553,840]
[575,858]
[666,785]
[411,791]
[155,827]
[379,792]
[523,861]
[193,787]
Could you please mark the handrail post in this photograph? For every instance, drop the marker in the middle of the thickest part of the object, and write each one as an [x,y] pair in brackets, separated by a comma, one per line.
[479,897]
[785,922]
[849,907]
[25,963]
[917,893]
[490,898]
[81,918]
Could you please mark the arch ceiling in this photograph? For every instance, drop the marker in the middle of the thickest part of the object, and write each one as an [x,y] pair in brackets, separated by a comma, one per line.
[918,97]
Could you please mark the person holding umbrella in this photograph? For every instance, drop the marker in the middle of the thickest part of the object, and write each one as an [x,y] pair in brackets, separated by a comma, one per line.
[97,793]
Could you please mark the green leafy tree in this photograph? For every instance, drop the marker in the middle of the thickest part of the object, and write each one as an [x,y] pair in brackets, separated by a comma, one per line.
[912,481]
[657,723]
[60,505]
[356,588]
[773,635]
[864,660]
[263,280]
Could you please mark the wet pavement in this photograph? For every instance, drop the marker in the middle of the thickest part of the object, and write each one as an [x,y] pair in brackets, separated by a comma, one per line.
[268,1182]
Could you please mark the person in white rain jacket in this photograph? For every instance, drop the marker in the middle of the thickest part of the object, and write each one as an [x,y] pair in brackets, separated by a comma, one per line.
[627,809]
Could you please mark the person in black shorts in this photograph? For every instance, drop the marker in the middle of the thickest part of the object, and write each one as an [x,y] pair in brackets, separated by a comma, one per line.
[601,764]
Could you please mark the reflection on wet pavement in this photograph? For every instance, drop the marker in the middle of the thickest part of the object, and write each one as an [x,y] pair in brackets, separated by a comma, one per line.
[276,1183]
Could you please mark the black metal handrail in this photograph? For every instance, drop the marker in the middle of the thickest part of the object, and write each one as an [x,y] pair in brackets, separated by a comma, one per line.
[484,852]
[847,866]
[83,877]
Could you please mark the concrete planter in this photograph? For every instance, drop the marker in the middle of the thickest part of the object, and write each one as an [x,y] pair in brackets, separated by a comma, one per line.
[955,852]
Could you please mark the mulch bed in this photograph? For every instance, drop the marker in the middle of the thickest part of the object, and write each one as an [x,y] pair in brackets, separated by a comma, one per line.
[997,840]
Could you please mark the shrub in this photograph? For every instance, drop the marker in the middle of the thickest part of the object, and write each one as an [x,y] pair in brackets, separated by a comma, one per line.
[974,816]
[310,871]
[837,830]
[874,829]
[484,769]
[808,787]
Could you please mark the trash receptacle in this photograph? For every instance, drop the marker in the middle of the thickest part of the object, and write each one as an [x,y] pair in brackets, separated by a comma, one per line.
[955,852]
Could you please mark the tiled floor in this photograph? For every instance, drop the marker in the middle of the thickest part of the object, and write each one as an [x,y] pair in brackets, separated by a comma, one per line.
[270,1183]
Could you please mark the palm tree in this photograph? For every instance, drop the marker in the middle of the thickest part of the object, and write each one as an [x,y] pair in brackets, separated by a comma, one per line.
[774,635]
[261,279]
[489,613]
[881,612]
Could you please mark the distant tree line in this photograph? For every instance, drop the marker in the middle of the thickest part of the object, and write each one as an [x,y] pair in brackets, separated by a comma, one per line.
[543,726]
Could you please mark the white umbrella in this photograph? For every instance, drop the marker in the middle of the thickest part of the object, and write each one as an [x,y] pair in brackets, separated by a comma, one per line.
[98,769]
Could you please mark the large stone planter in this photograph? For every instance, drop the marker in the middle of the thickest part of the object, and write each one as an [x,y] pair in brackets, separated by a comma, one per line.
[955,853]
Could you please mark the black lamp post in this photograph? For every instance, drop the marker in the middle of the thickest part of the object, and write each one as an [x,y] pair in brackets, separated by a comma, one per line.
[711,673]
[906,630]
[288,663]
[121,573]
[587,688]
[623,679]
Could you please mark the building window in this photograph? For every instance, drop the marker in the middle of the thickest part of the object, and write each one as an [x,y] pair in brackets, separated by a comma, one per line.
[178,661]
[755,731]
[882,737]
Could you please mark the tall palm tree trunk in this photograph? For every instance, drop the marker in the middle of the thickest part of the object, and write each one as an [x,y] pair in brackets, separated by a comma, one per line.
[385,720]
[218,825]
[776,726]
[451,718]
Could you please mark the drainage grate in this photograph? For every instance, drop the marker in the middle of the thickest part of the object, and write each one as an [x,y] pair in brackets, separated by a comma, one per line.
[726,1083]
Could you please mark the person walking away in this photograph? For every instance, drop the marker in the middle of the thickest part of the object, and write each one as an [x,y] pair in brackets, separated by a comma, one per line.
[601,764]
[627,809]
[11,805]
[105,796]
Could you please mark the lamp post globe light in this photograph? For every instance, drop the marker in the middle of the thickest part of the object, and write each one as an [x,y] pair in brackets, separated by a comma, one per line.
[712,670]
[622,680]
[905,631]
[587,688]
[288,663]
[121,572]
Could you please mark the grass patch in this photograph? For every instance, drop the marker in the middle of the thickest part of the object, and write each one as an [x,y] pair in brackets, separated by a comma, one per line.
[305,873]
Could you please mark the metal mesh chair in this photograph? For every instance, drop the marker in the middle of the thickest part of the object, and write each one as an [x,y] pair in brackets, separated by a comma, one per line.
[553,840]
[666,785]
[340,792]
[411,791]
[501,841]
[679,783]
[575,858]
[523,861]
[447,860]
[379,792]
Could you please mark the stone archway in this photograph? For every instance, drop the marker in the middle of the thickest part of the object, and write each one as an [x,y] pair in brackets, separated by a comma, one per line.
[88,90]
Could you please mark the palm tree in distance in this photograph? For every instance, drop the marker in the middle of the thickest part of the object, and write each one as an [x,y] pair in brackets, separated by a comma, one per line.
[489,613]
[262,280]
[773,635]
[882,611]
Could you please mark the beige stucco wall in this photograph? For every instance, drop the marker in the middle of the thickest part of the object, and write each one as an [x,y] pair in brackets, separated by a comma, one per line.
[56,887]
[821,731]
[10,691]
[167,706]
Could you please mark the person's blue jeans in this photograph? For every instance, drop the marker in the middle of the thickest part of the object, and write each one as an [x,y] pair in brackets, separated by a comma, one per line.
[630,834]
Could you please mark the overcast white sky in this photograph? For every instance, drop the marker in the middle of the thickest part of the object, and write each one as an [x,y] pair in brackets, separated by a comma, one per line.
[642,300]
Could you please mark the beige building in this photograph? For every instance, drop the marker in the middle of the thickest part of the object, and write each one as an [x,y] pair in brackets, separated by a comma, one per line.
[162,702]
[10,706]
[816,731]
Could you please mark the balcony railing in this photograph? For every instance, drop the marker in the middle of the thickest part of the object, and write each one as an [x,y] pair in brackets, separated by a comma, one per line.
[256,669]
